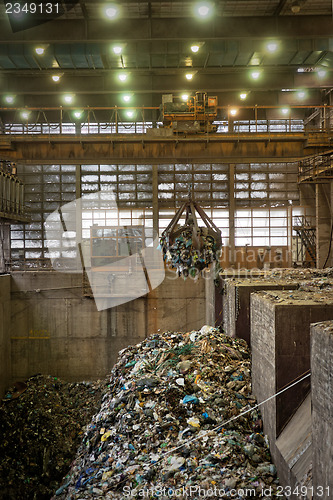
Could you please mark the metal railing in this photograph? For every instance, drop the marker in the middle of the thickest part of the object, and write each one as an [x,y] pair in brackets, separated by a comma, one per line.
[316,167]
[114,120]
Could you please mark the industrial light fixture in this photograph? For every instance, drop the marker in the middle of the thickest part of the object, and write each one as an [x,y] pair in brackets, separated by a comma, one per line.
[189,76]
[301,94]
[127,97]
[56,78]
[122,77]
[233,111]
[25,115]
[295,7]
[255,74]
[285,111]
[322,73]
[195,48]
[117,49]
[184,97]
[272,46]
[111,11]
[130,113]
[9,99]
[203,9]
[243,95]
[300,70]
[78,114]
[40,50]
[68,98]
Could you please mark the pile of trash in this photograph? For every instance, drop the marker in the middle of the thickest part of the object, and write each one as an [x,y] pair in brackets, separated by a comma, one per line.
[178,420]
[184,255]
[42,422]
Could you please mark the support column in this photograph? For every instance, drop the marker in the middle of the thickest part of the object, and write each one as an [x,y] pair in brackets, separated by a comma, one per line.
[232,257]
[78,216]
[323,222]
[322,404]
[308,200]
[155,198]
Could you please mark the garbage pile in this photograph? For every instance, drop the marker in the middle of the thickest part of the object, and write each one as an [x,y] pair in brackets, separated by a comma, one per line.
[184,256]
[175,422]
[42,422]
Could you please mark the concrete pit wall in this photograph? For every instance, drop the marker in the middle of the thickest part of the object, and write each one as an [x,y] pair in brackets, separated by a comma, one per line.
[322,408]
[5,351]
[55,330]
[236,304]
[280,330]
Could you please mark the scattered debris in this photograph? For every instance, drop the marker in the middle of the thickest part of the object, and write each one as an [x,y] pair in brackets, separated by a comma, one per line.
[41,424]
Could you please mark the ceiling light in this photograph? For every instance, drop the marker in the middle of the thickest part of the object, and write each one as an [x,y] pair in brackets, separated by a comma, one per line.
[301,94]
[68,98]
[295,7]
[117,49]
[127,97]
[243,95]
[56,78]
[25,115]
[203,9]
[184,97]
[233,111]
[272,46]
[78,114]
[39,50]
[255,74]
[285,111]
[195,48]
[122,76]
[300,70]
[111,11]
[322,73]
[130,114]
[9,99]
[189,76]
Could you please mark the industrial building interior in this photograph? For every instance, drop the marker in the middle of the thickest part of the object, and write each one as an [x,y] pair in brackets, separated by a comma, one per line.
[168,167]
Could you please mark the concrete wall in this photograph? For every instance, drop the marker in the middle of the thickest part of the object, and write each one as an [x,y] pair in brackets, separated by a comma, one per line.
[322,404]
[280,331]
[293,455]
[236,304]
[5,357]
[55,330]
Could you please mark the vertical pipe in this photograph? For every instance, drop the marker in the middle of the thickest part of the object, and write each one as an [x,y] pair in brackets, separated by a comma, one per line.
[78,215]
[155,198]
[290,234]
[1,191]
[232,214]
[22,197]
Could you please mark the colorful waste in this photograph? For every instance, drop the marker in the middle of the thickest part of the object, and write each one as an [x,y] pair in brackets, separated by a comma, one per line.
[175,422]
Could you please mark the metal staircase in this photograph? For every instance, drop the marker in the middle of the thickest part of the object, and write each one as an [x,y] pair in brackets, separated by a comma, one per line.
[307,236]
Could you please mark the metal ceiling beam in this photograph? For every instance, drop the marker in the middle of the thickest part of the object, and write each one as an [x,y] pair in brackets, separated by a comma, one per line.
[107,83]
[70,30]
[280,7]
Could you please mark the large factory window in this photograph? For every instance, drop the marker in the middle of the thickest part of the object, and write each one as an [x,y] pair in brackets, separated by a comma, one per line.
[258,186]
